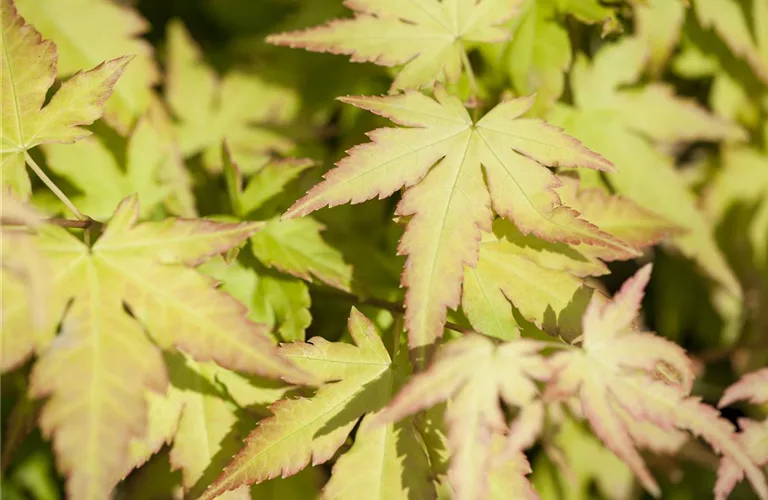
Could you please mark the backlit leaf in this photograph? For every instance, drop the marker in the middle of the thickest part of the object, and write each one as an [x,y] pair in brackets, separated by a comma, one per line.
[360,379]
[83,43]
[427,38]
[474,415]
[443,158]
[105,350]
[619,377]
[238,107]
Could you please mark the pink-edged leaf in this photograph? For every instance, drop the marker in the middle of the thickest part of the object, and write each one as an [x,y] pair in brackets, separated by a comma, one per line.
[454,170]
[752,387]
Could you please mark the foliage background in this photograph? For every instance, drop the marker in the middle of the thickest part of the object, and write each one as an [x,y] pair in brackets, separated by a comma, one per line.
[288,99]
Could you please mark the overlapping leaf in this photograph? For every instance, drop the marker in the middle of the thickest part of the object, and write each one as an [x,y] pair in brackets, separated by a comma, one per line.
[360,379]
[83,43]
[295,247]
[443,160]
[429,38]
[239,107]
[544,280]
[98,370]
[731,21]
[152,170]
[752,387]
[24,282]
[634,388]
[474,414]
[619,123]
[29,70]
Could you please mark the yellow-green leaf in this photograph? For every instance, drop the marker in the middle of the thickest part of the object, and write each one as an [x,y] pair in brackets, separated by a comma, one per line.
[427,38]
[99,369]
[454,170]
[83,43]
[28,71]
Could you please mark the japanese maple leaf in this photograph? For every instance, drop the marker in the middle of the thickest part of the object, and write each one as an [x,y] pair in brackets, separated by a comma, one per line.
[753,387]
[625,123]
[28,71]
[428,37]
[83,42]
[544,280]
[237,106]
[619,379]
[474,373]
[454,170]
[359,380]
[98,370]
[24,281]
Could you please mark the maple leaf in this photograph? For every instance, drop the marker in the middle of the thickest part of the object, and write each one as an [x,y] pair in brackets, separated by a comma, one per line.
[474,414]
[238,107]
[84,43]
[360,379]
[29,70]
[538,277]
[24,281]
[428,38]
[752,387]
[443,159]
[617,215]
[95,169]
[296,247]
[543,279]
[658,24]
[104,349]
[729,20]
[620,123]
[616,378]
[539,52]
[292,246]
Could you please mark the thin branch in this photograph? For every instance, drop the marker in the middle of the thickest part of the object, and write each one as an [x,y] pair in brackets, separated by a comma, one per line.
[473,88]
[55,221]
[53,187]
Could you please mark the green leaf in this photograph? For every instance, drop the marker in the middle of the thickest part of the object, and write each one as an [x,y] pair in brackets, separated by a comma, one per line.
[239,107]
[533,276]
[296,247]
[539,53]
[360,379]
[728,19]
[604,120]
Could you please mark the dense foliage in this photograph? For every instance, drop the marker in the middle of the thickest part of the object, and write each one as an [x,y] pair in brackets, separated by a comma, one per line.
[542,274]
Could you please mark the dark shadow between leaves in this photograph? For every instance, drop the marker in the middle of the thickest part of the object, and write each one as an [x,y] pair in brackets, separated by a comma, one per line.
[505,229]
[567,324]
[377,390]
